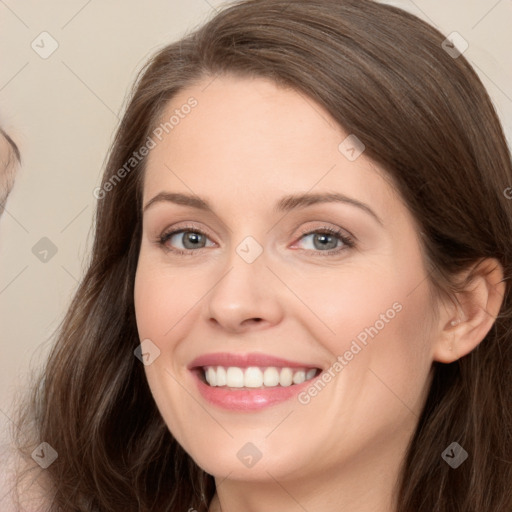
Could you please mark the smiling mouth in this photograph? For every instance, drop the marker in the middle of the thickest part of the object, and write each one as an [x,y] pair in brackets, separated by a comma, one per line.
[252,377]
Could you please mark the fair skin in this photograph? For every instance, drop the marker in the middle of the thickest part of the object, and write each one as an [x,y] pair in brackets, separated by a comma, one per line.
[247,144]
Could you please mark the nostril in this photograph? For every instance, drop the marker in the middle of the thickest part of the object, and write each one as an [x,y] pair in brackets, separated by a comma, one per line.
[253,320]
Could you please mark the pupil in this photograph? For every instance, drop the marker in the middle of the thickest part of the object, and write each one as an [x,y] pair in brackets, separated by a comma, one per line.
[324,237]
[193,238]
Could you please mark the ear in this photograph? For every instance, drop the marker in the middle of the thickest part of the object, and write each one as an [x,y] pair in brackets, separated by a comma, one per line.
[462,327]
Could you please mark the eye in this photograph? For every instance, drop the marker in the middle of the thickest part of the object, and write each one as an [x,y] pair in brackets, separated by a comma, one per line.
[325,241]
[189,238]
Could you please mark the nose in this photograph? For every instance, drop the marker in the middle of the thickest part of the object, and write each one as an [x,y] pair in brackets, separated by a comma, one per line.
[247,296]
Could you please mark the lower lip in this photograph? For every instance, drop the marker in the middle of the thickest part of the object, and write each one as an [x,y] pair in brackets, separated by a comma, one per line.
[247,399]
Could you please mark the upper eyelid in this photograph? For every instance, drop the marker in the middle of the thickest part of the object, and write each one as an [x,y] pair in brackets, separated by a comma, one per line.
[177,229]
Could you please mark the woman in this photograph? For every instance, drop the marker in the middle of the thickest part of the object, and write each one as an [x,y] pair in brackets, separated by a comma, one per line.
[298,296]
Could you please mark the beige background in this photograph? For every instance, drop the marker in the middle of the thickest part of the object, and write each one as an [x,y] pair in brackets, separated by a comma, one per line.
[62,111]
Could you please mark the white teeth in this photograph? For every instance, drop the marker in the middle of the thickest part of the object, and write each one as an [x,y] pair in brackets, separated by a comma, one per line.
[211,376]
[310,374]
[286,377]
[299,377]
[234,377]
[221,376]
[271,377]
[255,377]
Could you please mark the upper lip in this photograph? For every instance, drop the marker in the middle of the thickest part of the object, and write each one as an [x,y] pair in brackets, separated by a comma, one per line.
[227,359]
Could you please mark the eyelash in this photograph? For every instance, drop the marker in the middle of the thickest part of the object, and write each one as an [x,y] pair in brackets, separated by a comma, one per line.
[347,240]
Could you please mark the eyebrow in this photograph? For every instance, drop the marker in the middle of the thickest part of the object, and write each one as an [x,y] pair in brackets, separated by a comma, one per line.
[285,204]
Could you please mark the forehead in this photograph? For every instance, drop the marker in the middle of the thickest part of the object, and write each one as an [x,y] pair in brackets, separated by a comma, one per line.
[251,137]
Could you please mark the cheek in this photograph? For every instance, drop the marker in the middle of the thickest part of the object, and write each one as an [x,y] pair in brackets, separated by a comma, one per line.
[393,365]
[405,356]
[350,303]
[161,299]
[161,305]
[378,320]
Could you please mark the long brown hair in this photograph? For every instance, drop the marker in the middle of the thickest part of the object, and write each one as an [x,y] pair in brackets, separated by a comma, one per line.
[423,116]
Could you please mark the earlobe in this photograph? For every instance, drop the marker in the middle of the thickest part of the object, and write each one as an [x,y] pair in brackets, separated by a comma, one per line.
[470,321]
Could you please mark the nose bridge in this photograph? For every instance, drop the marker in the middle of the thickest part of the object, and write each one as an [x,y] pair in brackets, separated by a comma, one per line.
[246,290]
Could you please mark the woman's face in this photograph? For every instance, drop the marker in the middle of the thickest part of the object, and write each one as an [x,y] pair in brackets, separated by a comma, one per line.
[260,275]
